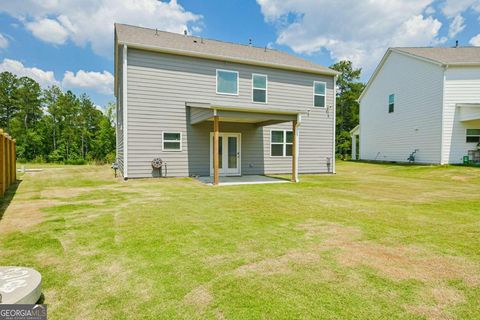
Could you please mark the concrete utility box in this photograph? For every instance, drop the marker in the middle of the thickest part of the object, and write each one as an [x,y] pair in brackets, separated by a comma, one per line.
[19,285]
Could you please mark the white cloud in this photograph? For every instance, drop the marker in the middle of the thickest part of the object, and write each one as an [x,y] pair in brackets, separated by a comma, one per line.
[452,8]
[91,21]
[361,33]
[475,41]
[101,82]
[456,26]
[44,78]
[3,41]
[48,30]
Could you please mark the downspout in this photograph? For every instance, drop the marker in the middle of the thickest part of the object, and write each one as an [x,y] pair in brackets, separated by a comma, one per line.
[125,114]
[297,145]
[334,122]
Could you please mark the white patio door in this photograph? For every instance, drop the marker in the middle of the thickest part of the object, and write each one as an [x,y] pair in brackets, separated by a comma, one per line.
[229,154]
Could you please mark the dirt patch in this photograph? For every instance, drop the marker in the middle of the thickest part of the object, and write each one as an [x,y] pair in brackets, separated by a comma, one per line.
[200,297]
[23,215]
[443,298]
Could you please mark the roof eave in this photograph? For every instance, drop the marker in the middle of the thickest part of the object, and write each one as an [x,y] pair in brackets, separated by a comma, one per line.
[375,72]
[230,59]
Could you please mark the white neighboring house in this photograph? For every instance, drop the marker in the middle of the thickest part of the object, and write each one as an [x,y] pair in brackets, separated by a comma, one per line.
[424,99]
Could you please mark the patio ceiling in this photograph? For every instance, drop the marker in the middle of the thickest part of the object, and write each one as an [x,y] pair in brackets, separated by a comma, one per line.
[468,111]
[200,112]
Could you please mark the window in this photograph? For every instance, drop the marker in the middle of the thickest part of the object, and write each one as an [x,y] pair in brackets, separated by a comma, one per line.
[391,103]
[259,88]
[319,94]
[473,135]
[281,143]
[172,141]
[227,82]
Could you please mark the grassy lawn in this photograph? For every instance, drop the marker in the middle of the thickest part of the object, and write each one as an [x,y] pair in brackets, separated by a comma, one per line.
[372,242]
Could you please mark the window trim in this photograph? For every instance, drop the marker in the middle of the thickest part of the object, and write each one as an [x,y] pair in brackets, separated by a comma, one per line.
[266,87]
[471,135]
[238,82]
[321,95]
[163,141]
[284,143]
[393,104]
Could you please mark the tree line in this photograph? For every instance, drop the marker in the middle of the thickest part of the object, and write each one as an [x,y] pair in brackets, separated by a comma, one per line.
[349,89]
[51,125]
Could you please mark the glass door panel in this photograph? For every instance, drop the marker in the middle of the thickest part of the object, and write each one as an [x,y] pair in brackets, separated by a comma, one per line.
[232,153]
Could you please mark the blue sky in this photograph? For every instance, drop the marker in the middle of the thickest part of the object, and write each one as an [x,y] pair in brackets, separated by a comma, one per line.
[69,43]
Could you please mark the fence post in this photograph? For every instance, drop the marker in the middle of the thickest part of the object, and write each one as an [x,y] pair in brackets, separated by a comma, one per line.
[3,180]
[14,158]
[7,161]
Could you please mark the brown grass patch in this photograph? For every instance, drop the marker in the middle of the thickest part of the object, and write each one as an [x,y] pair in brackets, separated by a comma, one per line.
[443,298]
[395,262]
[402,263]
[281,264]
[23,215]
[200,297]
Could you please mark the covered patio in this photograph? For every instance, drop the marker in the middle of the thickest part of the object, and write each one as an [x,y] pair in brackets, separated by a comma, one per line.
[217,114]
[246,179]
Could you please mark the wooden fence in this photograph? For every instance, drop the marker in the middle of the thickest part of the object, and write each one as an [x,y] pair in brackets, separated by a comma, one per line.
[8,162]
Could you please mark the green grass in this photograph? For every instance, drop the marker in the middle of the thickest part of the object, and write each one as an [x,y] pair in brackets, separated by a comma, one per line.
[372,242]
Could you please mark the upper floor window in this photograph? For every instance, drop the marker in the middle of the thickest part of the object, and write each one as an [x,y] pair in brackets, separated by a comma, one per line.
[473,135]
[172,141]
[259,88]
[391,103]
[319,89]
[281,142]
[227,82]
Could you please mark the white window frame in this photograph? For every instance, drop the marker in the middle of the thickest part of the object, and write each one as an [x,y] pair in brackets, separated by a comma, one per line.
[163,141]
[238,82]
[321,95]
[471,135]
[266,87]
[284,143]
[393,109]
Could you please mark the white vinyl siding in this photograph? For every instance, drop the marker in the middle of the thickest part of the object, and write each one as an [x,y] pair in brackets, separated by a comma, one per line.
[259,88]
[227,82]
[462,85]
[417,120]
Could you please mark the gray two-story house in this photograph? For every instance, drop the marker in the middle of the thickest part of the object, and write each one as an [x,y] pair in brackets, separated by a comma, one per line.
[213,108]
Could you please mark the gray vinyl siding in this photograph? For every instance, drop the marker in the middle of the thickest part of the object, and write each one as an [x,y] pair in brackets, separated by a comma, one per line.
[159,85]
[120,154]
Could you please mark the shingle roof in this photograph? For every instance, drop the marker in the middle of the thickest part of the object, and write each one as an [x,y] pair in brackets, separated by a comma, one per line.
[451,56]
[196,46]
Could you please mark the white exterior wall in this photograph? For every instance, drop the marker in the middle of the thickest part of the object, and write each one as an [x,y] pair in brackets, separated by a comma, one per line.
[462,85]
[416,122]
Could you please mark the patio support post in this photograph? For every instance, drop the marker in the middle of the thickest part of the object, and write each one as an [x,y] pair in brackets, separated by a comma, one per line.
[294,151]
[215,149]
[3,160]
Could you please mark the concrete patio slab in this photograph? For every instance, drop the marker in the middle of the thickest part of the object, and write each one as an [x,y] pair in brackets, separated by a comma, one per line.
[246,179]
